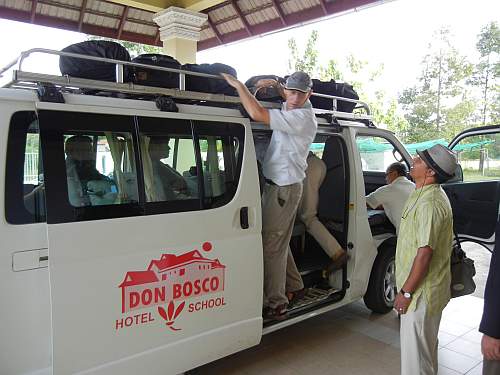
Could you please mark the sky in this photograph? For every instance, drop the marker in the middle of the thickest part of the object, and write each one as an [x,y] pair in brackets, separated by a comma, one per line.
[395,34]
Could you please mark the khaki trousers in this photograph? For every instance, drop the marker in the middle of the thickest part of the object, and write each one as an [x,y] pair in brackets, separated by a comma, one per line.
[491,367]
[279,208]
[308,208]
[419,341]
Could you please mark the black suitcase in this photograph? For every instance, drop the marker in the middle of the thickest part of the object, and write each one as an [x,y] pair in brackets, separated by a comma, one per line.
[209,85]
[157,78]
[336,89]
[268,94]
[82,68]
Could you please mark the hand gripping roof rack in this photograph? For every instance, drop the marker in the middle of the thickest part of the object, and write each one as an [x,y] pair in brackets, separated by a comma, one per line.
[29,80]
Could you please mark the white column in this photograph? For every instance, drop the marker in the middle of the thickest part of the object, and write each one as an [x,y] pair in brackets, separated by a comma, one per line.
[180,32]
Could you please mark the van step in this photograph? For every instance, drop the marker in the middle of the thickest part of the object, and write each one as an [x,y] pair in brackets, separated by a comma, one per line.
[313,295]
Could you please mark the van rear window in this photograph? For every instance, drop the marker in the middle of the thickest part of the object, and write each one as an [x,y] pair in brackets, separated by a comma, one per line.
[24,186]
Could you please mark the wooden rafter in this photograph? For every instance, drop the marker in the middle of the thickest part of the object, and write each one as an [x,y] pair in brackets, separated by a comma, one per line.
[280,12]
[244,21]
[33,10]
[122,22]
[322,4]
[82,14]
[93,12]
[214,29]
[157,37]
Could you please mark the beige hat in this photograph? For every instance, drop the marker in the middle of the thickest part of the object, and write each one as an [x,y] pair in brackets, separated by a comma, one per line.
[441,160]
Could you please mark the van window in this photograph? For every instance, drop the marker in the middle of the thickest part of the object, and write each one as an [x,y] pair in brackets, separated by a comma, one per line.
[479,156]
[24,188]
[377,153]
[189,165]
[90,162]
[100,168]
[168,160]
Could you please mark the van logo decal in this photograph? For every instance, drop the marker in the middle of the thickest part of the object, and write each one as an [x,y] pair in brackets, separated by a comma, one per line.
[167,283]
[170,316]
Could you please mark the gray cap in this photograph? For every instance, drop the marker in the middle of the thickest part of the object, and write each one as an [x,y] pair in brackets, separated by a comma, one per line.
[441,160]
[299,81]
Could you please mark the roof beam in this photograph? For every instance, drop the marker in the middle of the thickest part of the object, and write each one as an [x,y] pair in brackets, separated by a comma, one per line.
[23,16]
[33,10]
[196,5]
[159,5]
[322,4]
[244,21]
[214,29]
[82,14]
[150,5]
[122,22]
[280,12]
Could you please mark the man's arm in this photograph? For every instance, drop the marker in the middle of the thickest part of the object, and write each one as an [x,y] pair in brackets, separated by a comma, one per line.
[256,111]
[373,200]
[419,270]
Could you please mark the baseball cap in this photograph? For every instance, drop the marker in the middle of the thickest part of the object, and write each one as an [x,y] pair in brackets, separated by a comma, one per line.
[440,159]
[299,81]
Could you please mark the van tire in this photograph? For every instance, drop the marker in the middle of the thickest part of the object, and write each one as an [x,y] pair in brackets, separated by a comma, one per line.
[381,290]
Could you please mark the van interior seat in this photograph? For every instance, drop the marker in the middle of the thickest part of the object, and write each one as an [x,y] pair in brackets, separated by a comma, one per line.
[332,193]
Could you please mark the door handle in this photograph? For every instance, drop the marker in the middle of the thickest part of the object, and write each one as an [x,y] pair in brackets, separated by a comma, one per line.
[244,218]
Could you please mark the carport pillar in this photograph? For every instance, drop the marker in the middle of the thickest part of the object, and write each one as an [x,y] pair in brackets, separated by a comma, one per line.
[180,32]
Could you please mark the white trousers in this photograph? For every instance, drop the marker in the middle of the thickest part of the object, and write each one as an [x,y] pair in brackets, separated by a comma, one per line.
[419,341]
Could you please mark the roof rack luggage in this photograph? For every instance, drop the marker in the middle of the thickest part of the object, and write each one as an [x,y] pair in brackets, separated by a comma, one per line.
[28,80]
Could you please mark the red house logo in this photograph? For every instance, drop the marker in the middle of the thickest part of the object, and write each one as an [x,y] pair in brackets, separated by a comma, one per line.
[172,277]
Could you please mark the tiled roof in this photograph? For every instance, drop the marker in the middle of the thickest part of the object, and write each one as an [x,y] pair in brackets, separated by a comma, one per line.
[228,22]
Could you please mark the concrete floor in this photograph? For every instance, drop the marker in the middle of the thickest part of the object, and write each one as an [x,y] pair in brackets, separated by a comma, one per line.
[352,340]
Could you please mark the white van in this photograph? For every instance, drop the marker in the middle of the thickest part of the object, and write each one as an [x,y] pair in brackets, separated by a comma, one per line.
[118,259]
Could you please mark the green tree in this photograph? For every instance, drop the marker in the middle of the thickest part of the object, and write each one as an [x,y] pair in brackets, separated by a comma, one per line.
[439,104]
[134,49]
[357,72]
[487,71]
[306,61]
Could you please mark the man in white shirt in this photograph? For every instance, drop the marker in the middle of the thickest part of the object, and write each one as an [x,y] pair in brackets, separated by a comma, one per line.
[294,128]
[393,196]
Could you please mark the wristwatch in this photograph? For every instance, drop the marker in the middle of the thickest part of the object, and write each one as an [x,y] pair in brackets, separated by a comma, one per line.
[406,295]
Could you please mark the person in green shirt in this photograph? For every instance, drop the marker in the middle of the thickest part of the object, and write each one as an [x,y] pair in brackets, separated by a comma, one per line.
[423,260]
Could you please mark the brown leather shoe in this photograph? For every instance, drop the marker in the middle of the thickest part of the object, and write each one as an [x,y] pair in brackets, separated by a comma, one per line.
[277,313]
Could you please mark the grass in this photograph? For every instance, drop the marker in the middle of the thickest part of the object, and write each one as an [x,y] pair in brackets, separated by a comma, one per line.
[475,175]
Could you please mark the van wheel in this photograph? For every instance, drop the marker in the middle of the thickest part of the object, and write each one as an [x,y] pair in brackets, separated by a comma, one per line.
[382,289]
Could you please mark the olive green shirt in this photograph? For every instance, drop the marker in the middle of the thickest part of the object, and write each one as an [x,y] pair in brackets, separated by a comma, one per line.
[427,220]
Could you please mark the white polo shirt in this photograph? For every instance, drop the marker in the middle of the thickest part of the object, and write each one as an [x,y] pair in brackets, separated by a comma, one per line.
[393,198]
[293,132]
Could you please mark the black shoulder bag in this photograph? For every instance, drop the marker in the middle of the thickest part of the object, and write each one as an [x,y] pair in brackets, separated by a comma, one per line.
[462,271]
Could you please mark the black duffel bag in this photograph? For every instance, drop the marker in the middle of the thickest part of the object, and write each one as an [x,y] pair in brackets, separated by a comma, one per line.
[83,68]
[157,78]
[331,87]
[209,85]
[268,94]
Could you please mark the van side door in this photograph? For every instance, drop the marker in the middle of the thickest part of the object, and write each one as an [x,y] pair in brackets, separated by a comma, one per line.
[475,194]
[155,251]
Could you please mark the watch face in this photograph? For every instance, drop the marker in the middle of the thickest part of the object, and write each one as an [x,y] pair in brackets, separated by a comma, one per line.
[407,295]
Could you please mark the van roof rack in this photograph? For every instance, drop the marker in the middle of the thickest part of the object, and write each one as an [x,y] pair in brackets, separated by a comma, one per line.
[29,80]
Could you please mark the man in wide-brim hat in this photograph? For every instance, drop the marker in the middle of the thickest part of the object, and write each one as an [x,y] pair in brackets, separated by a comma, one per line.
[423,252]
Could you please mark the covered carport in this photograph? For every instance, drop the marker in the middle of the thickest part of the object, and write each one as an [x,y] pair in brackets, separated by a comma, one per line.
[182,27]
